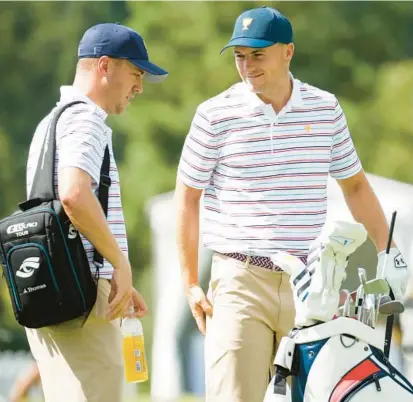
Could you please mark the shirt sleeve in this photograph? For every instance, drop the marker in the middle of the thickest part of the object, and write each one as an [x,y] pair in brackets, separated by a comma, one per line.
[344,159]
[199,154]
[81,141]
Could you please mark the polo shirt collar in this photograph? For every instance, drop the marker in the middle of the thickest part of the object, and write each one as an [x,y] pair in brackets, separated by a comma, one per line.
[69,93]
[295,100]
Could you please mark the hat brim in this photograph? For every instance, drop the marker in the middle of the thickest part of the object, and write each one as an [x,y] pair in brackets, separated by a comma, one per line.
[248,42]
[154,74]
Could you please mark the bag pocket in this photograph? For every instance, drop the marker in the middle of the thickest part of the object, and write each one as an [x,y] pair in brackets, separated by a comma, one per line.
[379,387]
[32,281]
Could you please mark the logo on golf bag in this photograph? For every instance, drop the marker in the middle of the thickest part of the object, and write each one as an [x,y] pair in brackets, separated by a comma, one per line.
[20,229]
[72,232]
[28,266]
[30,289]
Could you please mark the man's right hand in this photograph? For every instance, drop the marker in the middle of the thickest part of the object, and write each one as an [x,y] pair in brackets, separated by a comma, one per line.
[121,291]
[200,306]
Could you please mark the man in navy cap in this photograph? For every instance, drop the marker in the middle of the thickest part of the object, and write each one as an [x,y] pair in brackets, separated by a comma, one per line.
[261,153]
[78,362]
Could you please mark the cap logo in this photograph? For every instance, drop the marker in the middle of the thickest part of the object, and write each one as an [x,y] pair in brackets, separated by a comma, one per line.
[246,22]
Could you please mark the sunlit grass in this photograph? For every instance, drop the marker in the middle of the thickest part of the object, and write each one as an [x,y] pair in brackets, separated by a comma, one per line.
[143,398]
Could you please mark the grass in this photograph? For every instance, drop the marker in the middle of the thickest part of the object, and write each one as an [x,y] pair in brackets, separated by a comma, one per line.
[145,398]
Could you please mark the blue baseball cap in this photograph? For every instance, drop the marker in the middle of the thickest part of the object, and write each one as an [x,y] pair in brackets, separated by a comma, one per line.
[261,27]
[119,42]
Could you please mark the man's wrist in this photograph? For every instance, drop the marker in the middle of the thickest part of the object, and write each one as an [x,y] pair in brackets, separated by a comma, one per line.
[196,293]
[122,262]
[392,248]
[191,286]
[190,278]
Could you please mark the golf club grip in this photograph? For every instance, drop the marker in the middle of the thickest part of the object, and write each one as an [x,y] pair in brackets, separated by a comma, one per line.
[389,330]
[392,223]
[388,335]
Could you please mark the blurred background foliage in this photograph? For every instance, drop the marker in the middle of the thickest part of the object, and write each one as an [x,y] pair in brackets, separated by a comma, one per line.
[361,51]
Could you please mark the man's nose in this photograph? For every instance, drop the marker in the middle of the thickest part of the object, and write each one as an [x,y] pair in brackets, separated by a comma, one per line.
[248,64]
[138,87]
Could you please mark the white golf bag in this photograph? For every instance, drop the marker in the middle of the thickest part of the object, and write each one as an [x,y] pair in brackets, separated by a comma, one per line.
[331,359]
[337,361]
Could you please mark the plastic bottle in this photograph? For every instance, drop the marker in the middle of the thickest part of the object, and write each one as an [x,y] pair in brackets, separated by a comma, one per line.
[136,369]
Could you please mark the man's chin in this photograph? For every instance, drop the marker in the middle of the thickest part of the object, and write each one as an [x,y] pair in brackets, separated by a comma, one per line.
[120,110]
[253,87]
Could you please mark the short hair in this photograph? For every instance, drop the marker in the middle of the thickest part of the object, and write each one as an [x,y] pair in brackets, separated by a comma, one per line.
[86,64]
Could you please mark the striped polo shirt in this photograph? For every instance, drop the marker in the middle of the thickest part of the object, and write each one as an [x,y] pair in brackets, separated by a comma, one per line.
[81,139]
[264,174]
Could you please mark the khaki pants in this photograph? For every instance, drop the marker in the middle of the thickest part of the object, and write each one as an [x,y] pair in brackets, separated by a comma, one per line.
[79,364]
[250,305]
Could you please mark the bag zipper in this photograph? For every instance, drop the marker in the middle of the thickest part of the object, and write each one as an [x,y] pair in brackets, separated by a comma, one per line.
[14,287]
[366,382]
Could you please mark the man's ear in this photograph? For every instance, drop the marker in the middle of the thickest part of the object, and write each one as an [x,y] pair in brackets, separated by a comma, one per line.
[103,65]
[289,51]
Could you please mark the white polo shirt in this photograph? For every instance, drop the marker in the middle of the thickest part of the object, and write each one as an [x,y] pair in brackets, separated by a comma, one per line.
[265,174]
[81,139]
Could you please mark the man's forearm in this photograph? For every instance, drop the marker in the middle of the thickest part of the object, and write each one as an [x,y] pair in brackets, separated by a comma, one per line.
[366,209]
[86,213]
[188,242]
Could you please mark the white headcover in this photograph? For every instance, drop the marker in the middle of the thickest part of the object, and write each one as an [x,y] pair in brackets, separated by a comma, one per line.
[316,286]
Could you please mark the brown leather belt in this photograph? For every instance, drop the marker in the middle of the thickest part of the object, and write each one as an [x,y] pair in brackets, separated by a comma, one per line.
[263,262]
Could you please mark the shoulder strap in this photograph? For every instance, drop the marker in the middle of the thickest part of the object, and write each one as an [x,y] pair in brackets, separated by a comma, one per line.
[43,183]
[43,188]
[103,196]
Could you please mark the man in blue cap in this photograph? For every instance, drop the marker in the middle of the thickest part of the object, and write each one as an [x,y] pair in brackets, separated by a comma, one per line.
[78,362]
[261,153]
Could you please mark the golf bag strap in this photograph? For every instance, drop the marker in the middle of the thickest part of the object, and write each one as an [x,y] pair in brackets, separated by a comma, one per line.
[103,196]
[389,332]
[43,188]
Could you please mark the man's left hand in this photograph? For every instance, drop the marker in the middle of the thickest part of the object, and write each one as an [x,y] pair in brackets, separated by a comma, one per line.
[396,272]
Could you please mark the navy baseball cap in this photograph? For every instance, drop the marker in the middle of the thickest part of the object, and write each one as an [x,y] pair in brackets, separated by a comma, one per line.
[119,42]
[261,27]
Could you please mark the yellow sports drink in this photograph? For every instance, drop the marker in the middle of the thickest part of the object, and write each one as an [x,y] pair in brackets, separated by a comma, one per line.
[136,369]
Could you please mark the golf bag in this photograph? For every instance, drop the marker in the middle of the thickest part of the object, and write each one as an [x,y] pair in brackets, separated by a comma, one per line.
[337,361]
[41,253]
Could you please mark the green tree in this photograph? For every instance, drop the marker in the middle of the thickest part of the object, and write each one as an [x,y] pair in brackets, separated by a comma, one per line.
[38,49]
